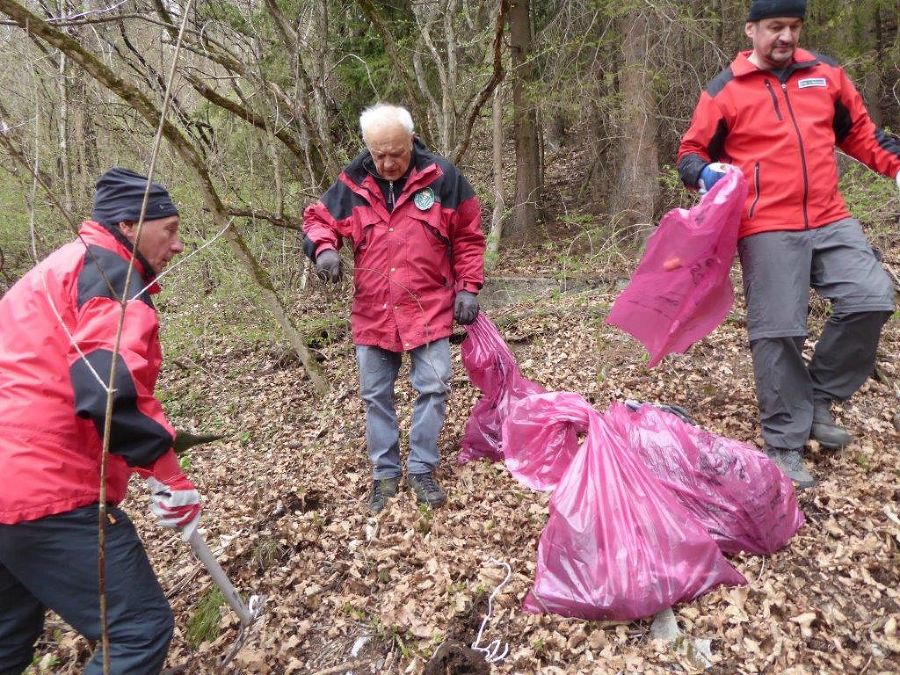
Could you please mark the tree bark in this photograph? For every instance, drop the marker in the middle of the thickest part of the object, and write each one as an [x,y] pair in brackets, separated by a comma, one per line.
[493,241]
[637,187]
[525,210]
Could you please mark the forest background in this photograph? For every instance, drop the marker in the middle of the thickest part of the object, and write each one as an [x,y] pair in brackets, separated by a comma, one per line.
[565,116]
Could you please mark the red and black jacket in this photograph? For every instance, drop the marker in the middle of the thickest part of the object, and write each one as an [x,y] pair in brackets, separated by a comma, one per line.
[782,133]
[409,261]
[59,325]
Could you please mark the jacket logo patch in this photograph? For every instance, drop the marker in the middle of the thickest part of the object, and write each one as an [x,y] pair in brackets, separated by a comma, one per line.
[813,82]
[424,199]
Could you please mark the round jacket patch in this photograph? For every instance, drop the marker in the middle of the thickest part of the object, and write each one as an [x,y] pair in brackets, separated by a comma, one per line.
[424,199]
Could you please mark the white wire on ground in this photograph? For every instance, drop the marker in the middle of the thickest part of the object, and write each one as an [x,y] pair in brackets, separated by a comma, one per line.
[492,651]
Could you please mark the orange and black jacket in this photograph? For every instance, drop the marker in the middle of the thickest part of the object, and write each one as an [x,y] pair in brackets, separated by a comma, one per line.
[781,132]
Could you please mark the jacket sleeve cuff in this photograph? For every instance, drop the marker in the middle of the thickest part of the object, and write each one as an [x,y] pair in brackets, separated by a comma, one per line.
[163,468]
[689,169]
[469,286]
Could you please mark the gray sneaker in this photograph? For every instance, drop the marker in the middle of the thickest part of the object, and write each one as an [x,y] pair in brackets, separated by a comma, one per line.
[427,489]
[790,462]
[382,490]
[825,430]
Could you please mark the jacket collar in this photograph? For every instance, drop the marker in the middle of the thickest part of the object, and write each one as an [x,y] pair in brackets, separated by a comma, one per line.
[111,238]
[361,177]
[742,66]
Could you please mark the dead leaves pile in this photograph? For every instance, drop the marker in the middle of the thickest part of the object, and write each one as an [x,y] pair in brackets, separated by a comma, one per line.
[285,507]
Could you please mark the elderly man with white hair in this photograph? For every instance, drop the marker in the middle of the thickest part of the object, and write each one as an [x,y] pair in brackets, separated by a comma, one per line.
[414,223]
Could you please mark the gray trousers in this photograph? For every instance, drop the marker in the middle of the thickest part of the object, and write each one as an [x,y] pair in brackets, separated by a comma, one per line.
[430,376]
[779,268]
[52,563]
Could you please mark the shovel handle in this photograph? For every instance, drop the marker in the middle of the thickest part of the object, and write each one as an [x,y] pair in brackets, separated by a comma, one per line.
[201,550]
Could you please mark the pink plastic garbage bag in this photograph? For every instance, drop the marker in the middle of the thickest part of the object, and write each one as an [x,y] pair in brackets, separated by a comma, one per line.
[617,544]
[492,368]
[681,289]
[540,441]
[742,499]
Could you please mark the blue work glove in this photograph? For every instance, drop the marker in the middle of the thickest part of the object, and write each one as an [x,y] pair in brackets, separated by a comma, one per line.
[328,266]
[465,308]
[712,174]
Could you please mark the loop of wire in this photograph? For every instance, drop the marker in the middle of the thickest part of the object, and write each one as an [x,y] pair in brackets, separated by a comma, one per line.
[494,651]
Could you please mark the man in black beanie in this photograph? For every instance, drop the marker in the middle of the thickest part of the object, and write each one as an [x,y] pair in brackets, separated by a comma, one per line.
[776,114]
[57,348]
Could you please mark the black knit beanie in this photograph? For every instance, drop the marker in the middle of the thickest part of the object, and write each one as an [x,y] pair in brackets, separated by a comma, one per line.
[767,9]
[119,196]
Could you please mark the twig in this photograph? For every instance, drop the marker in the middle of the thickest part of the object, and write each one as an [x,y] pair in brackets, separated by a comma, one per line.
[110,391]
[350,665]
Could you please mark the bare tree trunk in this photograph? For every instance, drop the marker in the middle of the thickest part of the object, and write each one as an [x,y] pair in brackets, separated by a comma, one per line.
[528,171]
[637,188]
[496,232]
[62,127]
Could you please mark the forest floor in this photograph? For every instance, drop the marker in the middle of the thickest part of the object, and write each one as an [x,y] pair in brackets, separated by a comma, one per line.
[285,510]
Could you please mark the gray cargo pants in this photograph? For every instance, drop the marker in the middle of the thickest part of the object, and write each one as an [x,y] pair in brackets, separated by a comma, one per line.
[778,269]
[430,376]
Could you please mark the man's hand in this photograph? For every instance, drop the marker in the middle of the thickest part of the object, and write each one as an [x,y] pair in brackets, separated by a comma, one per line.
[465,309]
[328,266]
[898,180]
[173,498]
[712,174]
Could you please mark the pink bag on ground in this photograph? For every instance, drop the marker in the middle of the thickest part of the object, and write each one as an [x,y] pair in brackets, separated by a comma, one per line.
[540,441]
[742,499]
[681,290]
[492,368]
[617,544]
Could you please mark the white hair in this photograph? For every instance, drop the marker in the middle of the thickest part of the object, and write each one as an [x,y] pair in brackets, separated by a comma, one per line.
[382,114]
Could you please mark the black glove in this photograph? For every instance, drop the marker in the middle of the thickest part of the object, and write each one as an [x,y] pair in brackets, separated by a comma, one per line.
[465,309]
[328,266]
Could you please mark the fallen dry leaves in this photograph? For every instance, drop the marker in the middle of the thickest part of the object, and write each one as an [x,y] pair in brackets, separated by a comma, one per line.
[285,508]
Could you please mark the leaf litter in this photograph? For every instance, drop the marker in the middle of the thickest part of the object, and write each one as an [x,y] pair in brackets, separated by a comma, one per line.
[284,498]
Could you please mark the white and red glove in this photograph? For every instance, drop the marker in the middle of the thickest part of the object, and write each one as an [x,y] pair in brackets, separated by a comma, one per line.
[173,498]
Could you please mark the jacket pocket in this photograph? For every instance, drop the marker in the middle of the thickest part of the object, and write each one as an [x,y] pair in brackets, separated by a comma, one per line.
[362,231]
[775,104]
[434,227]
[755,201]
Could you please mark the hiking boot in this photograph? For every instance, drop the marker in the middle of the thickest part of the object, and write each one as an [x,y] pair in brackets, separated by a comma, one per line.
[824,429]
[427,489]
[382,490]
[790,462]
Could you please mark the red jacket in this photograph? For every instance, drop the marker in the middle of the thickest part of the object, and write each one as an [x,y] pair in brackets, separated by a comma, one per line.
[52,408]
[782,135]
[409,263]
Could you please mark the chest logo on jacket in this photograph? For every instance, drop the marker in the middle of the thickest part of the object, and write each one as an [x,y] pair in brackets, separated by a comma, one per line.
[424,199]
[813,82]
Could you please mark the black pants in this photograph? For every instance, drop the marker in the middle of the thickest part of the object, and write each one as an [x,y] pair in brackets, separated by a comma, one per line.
[52,563]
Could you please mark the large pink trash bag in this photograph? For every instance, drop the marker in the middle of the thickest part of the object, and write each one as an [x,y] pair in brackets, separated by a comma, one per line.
[681,290]
[492,368]
[617,544]
[540,441]
[742,499]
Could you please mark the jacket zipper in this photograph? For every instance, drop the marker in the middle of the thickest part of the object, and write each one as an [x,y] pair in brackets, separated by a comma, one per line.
[802,157]
[756,189]
[774,101]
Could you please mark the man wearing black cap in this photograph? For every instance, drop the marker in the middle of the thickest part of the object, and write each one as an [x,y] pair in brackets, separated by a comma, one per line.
[57,347]
[776,114]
